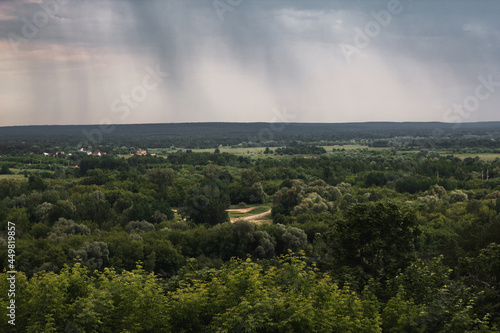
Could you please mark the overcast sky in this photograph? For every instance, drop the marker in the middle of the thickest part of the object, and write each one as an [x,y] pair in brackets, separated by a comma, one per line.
[93,61]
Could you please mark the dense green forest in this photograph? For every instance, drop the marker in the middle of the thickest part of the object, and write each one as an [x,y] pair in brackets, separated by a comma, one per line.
[211,135]
[400,234]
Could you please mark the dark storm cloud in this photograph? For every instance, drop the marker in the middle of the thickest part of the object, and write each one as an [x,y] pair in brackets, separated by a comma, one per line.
[260,55]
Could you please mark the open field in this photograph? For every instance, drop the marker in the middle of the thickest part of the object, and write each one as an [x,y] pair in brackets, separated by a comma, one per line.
[250,152]
[17,173]
[346,147]
[254,152]
[13,177]
[14,170]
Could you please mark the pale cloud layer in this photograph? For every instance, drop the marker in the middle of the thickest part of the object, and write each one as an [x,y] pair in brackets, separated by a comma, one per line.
[86,62]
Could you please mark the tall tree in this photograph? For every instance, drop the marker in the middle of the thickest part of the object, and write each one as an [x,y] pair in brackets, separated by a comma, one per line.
[207,204]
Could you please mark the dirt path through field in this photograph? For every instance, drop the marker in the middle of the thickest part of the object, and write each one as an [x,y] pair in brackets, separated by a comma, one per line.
[251,218]
[241,210]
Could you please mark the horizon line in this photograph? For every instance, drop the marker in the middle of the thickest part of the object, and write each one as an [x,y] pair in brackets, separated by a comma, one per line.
[262,122]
